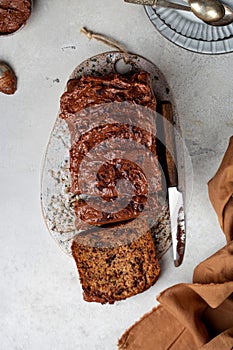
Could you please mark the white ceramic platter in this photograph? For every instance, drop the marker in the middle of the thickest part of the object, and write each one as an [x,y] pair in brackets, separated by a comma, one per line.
[186,30]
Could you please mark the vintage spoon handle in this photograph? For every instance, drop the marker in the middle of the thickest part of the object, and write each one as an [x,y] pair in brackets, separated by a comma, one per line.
[160,3]
[172,5]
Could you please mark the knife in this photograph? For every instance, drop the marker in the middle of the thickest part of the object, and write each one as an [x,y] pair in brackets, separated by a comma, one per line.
[175,196]
[161,3]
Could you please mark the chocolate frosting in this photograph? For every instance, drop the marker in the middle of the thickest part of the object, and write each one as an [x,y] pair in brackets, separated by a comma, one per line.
[104,114]
[90,91]
[100,134]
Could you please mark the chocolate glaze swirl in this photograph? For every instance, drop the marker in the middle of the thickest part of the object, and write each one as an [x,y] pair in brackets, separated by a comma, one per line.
[98,135]
[108,176]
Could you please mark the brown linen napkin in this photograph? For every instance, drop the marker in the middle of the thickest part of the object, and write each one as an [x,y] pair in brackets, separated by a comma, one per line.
[199,315]
[221,192]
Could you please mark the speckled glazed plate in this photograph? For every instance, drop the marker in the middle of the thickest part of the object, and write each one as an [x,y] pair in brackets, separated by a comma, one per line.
[56,199]
[186,30]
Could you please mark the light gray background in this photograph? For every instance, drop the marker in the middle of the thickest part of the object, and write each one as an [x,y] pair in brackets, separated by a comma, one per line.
[41,300]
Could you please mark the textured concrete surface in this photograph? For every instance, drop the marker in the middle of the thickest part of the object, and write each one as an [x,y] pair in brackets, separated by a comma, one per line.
[41,303]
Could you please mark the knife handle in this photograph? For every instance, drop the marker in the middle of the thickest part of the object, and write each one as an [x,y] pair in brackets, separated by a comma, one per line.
[169,137]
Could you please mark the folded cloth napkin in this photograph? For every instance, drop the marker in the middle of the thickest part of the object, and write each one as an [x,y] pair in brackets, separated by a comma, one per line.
[221,192]
[198,315]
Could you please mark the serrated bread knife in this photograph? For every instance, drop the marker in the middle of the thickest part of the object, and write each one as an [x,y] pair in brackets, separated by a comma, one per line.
[177,218]
[175,196]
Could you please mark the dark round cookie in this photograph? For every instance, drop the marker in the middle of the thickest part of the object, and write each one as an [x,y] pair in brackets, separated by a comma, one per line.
[13,14]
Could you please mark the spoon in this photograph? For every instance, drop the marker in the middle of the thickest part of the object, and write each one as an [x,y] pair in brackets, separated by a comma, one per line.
[207,10]
[210,11]
[227,18]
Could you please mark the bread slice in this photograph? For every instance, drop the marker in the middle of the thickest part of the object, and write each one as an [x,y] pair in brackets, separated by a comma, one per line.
[116,263]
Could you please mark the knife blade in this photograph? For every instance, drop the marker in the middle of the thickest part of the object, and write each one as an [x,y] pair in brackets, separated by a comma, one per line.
[160,3]
[175,196]
[177,218]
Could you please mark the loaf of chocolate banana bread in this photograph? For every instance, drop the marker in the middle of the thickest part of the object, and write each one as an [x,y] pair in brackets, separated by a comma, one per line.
[116,179]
